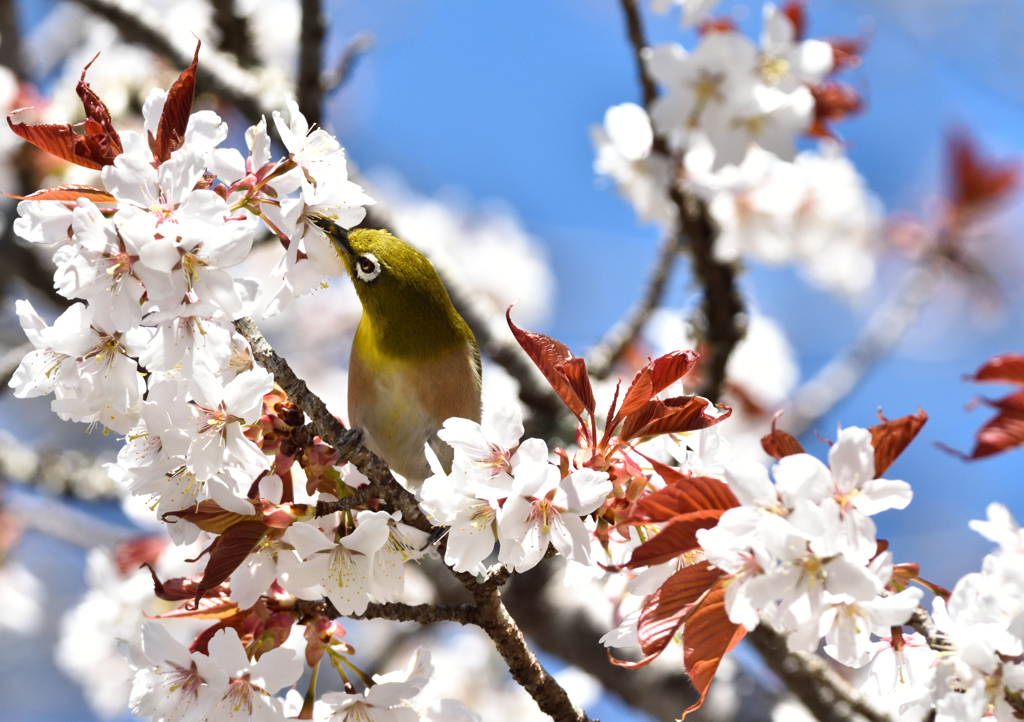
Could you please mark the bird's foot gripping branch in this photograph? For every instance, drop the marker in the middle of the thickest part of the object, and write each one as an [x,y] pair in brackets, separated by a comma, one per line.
[292,524]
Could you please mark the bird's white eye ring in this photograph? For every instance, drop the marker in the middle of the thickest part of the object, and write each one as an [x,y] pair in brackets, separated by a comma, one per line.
[367,267]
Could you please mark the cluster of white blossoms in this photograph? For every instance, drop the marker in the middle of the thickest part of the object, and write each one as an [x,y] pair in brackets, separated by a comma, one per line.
[148,350]
[815,211]
[733,112]
[802,552]
[506,491]
[172,683]
[738,94]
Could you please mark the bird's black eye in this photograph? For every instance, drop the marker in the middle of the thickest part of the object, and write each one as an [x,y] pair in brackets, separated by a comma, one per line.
[367,267]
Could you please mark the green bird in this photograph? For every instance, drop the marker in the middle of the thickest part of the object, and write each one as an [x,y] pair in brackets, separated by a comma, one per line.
[414,360]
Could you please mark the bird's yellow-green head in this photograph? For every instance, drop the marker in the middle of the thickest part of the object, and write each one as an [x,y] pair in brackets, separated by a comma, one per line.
[404,301]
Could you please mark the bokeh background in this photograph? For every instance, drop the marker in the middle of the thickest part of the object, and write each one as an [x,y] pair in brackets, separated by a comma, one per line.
[486,107]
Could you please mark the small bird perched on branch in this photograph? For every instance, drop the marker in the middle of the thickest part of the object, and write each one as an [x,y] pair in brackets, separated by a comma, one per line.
[414,360]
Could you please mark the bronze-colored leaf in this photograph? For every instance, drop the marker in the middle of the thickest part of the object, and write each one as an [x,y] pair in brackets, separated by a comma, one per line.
[209,516]
[890,438]
[100,134]
[673,416]
[550,357]
[707,636]
[682,494]
[68,193]
[1007,368]
[170,131]
[227,553]
[676,538]
[779,443]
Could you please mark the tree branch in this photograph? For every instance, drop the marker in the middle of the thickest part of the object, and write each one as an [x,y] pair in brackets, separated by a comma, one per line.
[886,327]
[491,615]
[601,359]
[422,613]
[235,33]
[309,88]
[828,696]
[494,619]
[348,442]
[923,623]
[722,306]
[331,80]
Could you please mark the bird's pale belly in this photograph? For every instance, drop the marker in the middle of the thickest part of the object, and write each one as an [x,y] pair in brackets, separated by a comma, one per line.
[400,406]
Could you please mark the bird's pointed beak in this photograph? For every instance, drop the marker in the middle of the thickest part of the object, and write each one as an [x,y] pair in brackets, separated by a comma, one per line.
[335,232]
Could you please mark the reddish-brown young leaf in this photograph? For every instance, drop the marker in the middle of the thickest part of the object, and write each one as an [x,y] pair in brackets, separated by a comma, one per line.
[575,372]
[209,516]
[677,537]
[707,637]
[779,443]
[655,377]
[96,147]
[170,132]
[99,126]
[833,102]
[227,552]
[1002,433]
[795,11]
[666,609]
[673,416]
[977,182]
[890,438]
[846,53]
[178,589]
[58,140]
[70,193]
[138,552]
[1006,368]
[716,25]
[236,621]
[550,357]
[682,494]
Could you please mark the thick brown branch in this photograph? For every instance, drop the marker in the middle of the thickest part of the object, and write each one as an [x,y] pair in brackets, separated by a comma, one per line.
[491,615]
[828,696]
[311,40]
[348,442]
[602,357]
[722,306]
[422,613]
[887,325]
[499,625]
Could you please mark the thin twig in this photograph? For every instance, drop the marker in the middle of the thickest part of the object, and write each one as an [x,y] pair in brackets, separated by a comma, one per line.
[938,640]
[309,88]
[603,356]
[722,306]
[883,331]
[829,697]
[337,76]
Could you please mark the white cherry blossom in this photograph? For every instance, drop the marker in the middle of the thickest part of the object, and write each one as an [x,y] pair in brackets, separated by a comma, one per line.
[248,692]
[543,509]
